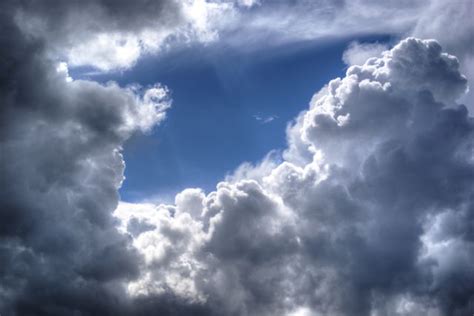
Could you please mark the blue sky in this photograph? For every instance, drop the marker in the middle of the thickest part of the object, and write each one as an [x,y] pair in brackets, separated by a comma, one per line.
[229,106]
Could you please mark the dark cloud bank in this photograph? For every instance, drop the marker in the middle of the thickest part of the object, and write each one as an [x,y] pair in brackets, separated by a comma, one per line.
[371,212]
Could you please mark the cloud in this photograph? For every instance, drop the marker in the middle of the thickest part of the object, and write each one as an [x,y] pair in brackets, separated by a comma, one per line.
[61,166]
[370,212]
[276,23]
[113,35]
[358,53]
[248,3]
[265,119]
[378,224]
[451,24]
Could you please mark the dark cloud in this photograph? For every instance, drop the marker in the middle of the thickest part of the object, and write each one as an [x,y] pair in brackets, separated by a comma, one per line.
[370,213]
[60,170]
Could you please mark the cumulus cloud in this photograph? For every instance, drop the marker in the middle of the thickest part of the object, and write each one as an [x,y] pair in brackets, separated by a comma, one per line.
[370,211]
[378,224]
[61,166]
[451,24]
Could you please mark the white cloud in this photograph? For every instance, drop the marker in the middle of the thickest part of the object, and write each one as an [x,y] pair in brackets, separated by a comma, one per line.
[153,106]
[265,119]
[346,231]
[62,68]
[106,52]
[113,36]
[358,53]
[249,3]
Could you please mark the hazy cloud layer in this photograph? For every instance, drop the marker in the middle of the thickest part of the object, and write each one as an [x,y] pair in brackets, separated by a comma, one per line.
[371,210]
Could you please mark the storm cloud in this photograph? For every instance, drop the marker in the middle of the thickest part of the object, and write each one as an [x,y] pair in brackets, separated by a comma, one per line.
[371,211]
[61,166]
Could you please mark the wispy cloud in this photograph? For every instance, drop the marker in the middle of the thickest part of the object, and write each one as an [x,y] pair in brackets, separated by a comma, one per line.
[265,119]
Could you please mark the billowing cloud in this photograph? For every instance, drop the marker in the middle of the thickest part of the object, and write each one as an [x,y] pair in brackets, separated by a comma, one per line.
[60,250]
[378,224]
[370,212]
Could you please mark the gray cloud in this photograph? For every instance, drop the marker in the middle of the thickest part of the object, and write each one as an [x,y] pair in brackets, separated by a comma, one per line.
[113,35]
[61,166]
[371,211]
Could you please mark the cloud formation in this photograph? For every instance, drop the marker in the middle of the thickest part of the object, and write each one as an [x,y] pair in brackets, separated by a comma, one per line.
[113,35]
[358,53]
[379,224]
[371,211]
[60,139]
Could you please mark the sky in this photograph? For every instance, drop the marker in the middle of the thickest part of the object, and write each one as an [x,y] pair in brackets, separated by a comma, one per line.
[242,90]
[236,157]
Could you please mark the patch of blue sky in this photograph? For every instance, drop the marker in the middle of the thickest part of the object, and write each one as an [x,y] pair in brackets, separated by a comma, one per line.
[229,106]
